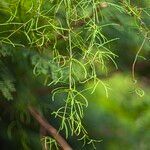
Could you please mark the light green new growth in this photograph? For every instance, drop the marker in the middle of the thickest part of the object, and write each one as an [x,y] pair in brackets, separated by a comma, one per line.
[68,34]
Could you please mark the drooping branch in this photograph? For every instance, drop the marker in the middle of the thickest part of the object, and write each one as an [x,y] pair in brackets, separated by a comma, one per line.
[80,22]
[49,128]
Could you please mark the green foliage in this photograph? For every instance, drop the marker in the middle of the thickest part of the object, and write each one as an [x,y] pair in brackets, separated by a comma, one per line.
[122,119]
[67,45]
[6,82]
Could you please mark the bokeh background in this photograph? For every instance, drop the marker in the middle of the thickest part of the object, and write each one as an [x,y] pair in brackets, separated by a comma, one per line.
[121,121]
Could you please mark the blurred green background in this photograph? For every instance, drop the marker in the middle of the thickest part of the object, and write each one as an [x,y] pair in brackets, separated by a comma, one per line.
[121,121]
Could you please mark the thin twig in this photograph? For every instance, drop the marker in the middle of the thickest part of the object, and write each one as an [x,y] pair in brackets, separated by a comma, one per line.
[50,129]
[136,57]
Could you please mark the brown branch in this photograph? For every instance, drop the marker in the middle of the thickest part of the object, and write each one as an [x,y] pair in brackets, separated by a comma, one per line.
[50,129]
[42,134]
